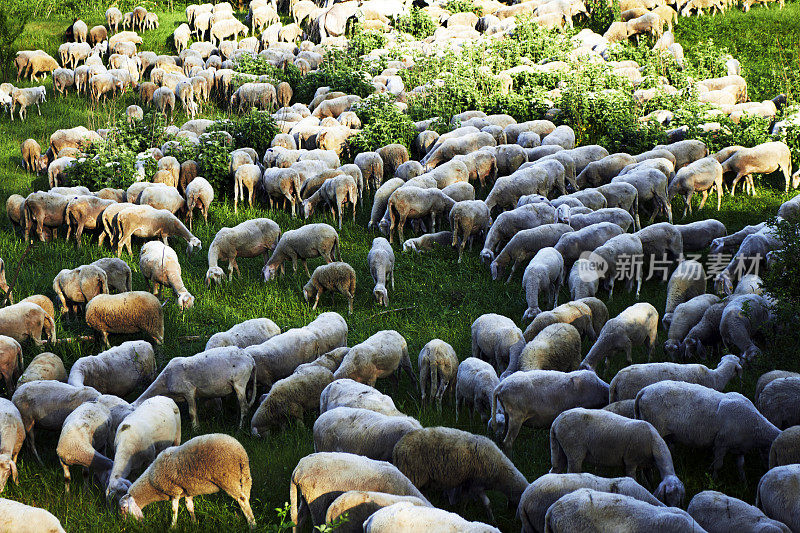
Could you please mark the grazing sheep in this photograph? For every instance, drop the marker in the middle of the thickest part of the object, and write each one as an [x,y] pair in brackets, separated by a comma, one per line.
[12,434]
[572,244]
[547,489]
[32,159]
[428,242]
[150,428]
[319,478]
[45,366]
[776,401]
[661,241]
[685,316]
[700,176]
[524,245]
[306,242]
[509,223]
[496,339]
[545,272]
[160,267]
[199,194]
[118,371]
[698,235]
[85,212]
[468,220]
[556,347]
[583,280]
[146,222]
[785,450]
[358,506]
[651,185]
[27,97]
[475,382]
[454,460]
[42,301]
[742,318]
[706,333]
[764,158]
[336,276]
[769,377]
[44,213]
[777,495]
[602,511]
[612,260]
[335,193]
[408,516]
[26,320]
[686,282]
[202,465]
[244,334]
[118,273]
[438,365]
[415,202]
[636,325]
[290,398]
[699,417]
[539,396]
[349,393]
[381,355]
[11,361]
[21,518]
[719,513]
[602,171]
[381,266]
[129,312]
[577,314]
[248,239]
[608,439]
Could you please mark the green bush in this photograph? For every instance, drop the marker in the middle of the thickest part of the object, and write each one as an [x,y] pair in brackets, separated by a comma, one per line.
[462,6]
[382,123]
[259,66]
[418,23]
[601,15]
[364,42]
[213,160]
[255,130]
[340,71]
[13,18]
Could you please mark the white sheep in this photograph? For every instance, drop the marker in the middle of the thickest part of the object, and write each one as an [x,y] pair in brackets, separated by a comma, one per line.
[777,399]
[583,280]
[118,273]
[160,266]
[350,393]
[333,277]
[468,220]
[306,242]
[608,439]
[545,273]
[686,282]
[202,465]
[438,365]
[11,361]
[610,258]
[45,366]
[701,417]
[12,435]
[698,235]
[116,371]
[785,450]
[79,286]
[719,513]
[128,312]
[21,518]
[199,194]
[742,318]
[685,316]
[577,314]
[475,382]
[244,334]
[354,507]
[496,339]
[249,239]
[778,496]
[27,97]
[636,325]
[381,266]
[409,517]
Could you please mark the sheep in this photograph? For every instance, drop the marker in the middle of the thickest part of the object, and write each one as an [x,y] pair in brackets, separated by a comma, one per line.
[11,361]
[603,511]
[524,245]
[27,97]
[475,381]
[706,333]
[777,495]
[575,313]
[661,241]
[248,239]
[113,18]
[438,365]
[118,371]
[174,474]
[556,347]
[32,160]
[361,431]
[651,185]
[698,235]
[150,428]
[118,273]
[164,100]
[409,516]
[428,242]
[616,258]
[636,325]
[336,276]
[47,404]
[381,355]
[16,516]
[603,170]
[545,272]
[45,366]
[79,286]
[371,166]
[686,282]
[357,506]
[776,399]
[63,79]
[743,317]
[578,221]
[244,334]
[290,398]
[547,489]
[84,212]
[511,222]
[583,280]
[754,249]
[699,417]
[128,312]
[160,266]
[279,356]
[349,393]
[539,396]
[334,192]
[306,242]
[319,478]
[42,301]
[12,434]
[86,432]
[416,203]
[381,266]
[785,449]
[763,158]
[145,222]
[468,219]
[608,439]
[685,316]
[26,320]
[699,176]
[199,194]
[572,244]
[718,513]
[497,339]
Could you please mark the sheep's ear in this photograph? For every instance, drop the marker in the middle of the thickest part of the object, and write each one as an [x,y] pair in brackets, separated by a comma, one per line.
[14,474]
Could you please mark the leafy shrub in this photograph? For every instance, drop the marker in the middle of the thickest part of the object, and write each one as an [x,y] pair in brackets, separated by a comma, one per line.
[418,23]
[382,123]
[364,42]
[780,284]
[462,6]
[213,160]
[340,72]
[13,18]
[601,15]
[792,134]
[256,129]
[259,66]
[106,165]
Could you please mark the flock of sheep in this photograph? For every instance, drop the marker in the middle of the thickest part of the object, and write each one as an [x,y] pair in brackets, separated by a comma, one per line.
[550,209]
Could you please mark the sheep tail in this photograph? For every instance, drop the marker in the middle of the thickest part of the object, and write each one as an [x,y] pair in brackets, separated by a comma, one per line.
[493,420]
[335,250]
[52,323]
[558,458]
[405,362]
[253,397]
[128,280]
[296,500]
[636,412]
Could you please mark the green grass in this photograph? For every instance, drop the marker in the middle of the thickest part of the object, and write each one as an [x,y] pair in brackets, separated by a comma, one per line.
[434,298]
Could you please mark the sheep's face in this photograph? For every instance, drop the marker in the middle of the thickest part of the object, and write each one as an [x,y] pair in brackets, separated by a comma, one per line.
[381,296]
[185,301]
[307,209]
[308,291]
[796,179]
[496,270]
[673,349]
[410,246]
[270,272]
[531,313]
[716,244]
[128,507]
[215,275]
[723,285]
[117,486]
[671,491]
[8,468]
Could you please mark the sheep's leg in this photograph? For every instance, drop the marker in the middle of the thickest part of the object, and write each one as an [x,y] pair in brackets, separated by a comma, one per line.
[248,512]
[241,395]
[719,456]
[67,477]
[486,505]
[702,201]
[738,177]
[190,507]
[176,502]
[740,467]
[30,440]
[513,425]
[305,266]
[316,300]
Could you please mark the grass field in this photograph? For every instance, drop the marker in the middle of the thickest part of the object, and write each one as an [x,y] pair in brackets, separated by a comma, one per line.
[434,298]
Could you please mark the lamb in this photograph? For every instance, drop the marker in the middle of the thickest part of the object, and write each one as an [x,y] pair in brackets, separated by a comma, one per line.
[497,339]
[358,506]
[718,513]
[349,393]
[129,312]
[524,245]
[409,516]
[279,356]
[556,347]
[213,373]
[686,282]
[86,432]
[47,404]
[700,176]
[777,495]
[45,366]
[118,371]
[145,222]
[438,365]
[700,417]
[547,489]
[785,449]
[26,320]
[776,401]
[509,223]
[336,276]
[428,242]
[415,202]
[636,325]
[154,425]
[764,158]
[174,474]
[614,512]
[16,516]
[604,438]
[199,194]
[381,266]
[27,97]
[685,316]
[244,334]
[12,434]
[468,219]
[583,280]
[698,235]
[743,317]
[160,266]
[248,239]
[545,273]
[381,355]
[319,478]
[606,261]
[706,333]
[306,242]
[575,313]
[539,396]
[290,398]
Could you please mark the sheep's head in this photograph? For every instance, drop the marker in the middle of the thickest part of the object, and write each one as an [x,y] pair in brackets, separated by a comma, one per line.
[692,347]
[562,214]
[194,244]
[496,269]
[383,225]
[7,468]
[308,209]
[716,245]
[666,320]
[185,301]
[723,285]
[750,353]
[270,271]
[410,246]
[736,362]
[796,179]
[487,256]
[128,507]
[673,349]
[531,313]
[215,274]
[117,486]
[381,295]
[308,291]
[670,491]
